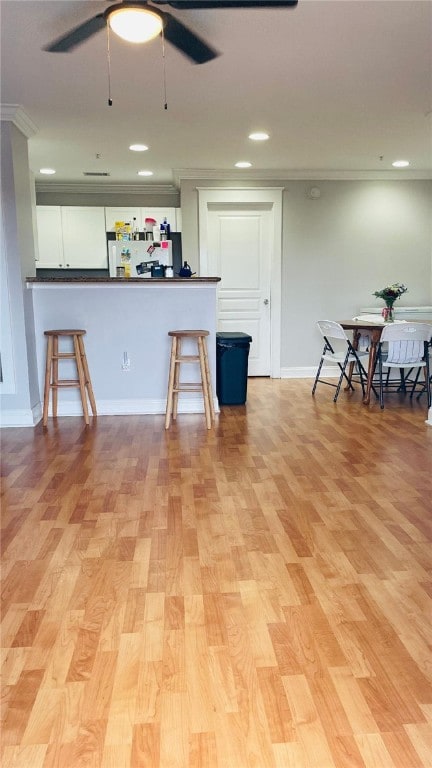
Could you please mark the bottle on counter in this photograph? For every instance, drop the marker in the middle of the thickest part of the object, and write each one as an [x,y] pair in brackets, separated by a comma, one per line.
[165,230]
[186,270]
[123,230]
[149,226]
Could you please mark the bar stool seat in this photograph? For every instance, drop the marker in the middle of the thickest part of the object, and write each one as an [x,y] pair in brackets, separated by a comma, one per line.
[175,385]
[52,381]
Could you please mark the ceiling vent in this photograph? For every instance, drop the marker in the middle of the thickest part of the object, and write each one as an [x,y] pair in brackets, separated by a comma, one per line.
[96,173]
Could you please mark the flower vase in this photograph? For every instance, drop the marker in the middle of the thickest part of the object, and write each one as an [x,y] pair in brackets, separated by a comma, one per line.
[388,314]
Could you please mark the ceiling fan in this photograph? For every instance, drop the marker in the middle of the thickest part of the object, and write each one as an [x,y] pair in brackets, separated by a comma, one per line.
[125,18]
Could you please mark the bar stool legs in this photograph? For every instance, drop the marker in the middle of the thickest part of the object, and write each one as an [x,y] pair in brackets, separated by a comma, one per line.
[48,368]
[87,379]
[206,381]
[52,381]
[174,384]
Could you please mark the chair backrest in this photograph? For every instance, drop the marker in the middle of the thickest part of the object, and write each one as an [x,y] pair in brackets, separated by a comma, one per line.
[406,342]
[331,330]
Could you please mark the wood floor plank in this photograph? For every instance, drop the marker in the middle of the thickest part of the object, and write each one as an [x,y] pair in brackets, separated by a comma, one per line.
[23,757]
[145,745]
[258,595]
[307,722]
[374,751]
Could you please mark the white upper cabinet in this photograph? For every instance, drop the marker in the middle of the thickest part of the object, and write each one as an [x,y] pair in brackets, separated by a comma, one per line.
[140,214]
[50,240]
[84,238]
[74,236]
[71,237]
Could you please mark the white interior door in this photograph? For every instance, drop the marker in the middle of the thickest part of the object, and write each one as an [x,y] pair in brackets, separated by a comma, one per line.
[240,241]
[239,248]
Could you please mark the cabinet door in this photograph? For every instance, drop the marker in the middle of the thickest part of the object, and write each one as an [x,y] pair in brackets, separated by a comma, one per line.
[84,237]
[50,243]
[123,214]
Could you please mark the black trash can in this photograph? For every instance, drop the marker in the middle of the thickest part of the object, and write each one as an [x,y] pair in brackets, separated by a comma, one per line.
[232,353]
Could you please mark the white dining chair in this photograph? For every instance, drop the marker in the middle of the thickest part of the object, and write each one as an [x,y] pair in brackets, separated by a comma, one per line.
[338,350]
[425,385]
[406,350]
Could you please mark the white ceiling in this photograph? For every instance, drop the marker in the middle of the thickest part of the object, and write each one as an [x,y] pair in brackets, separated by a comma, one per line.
[336,83]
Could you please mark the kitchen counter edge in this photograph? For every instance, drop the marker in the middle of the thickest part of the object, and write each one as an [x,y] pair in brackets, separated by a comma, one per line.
[121,280]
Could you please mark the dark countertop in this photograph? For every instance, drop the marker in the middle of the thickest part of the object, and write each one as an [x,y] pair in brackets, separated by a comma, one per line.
[117,280]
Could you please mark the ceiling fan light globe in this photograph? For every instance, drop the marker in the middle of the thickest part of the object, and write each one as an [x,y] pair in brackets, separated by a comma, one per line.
[259,136]
[136,25]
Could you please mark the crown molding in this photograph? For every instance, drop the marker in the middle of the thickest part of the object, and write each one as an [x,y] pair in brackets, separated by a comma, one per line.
[93,188]
[244,188]
[104,187]
[16,115]
[248,175]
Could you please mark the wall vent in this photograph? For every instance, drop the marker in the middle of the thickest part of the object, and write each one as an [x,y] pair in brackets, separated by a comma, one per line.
[96,173]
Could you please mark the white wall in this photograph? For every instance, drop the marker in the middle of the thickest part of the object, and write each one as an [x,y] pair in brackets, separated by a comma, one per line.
[19,395]
[337,250]
[357,237]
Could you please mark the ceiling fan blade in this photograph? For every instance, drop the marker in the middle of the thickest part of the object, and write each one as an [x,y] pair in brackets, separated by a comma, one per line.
[77,35]
[227,3]
[187,41]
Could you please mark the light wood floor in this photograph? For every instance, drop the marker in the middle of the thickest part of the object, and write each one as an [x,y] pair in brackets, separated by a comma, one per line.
[253,596]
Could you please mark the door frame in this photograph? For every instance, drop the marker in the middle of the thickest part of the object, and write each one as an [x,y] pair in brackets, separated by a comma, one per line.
[251,196]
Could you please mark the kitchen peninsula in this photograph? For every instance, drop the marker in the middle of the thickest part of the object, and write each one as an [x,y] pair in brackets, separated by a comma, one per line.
[127,344]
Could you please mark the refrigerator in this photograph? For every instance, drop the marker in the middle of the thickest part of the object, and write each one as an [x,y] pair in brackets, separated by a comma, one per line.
[144,252]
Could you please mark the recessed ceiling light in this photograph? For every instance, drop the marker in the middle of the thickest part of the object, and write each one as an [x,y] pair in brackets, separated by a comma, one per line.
[145,173]
[400,163]
[47,171]
[259,136]
[243,164]
[138,147]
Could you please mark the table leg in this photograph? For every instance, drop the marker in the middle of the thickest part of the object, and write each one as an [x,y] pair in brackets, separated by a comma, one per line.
[356,339]
[372,361]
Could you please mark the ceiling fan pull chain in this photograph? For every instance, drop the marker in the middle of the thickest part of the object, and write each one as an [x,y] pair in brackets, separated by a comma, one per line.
[109,66]
[164,70]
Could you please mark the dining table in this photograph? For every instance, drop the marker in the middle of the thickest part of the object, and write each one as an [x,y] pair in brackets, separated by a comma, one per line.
[372,329]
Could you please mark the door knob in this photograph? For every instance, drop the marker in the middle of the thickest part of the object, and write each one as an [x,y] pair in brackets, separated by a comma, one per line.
[266,301]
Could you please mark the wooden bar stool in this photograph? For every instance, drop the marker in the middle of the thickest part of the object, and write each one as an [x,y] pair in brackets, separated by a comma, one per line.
[175,385]
[52,381]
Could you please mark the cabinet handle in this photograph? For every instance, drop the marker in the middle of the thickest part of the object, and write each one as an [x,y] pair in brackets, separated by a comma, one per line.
[68,265]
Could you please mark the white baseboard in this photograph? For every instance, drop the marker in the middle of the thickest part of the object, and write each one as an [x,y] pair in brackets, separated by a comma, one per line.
[21,417]
[143,407]
[104,408]
[327,372]
[122,407]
